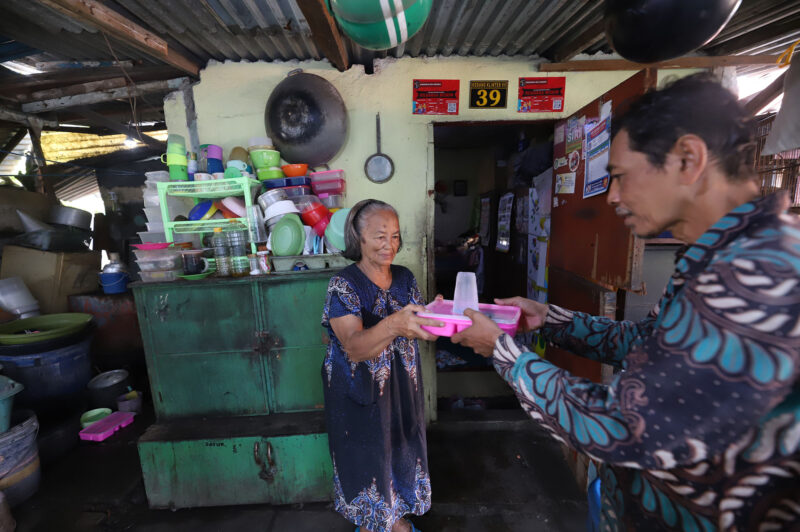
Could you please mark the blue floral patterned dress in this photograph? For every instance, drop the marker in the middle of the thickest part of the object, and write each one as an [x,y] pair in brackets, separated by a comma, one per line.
[701,431]
[375,409]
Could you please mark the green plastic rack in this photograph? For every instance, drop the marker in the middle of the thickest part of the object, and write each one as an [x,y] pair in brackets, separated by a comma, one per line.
[201,190]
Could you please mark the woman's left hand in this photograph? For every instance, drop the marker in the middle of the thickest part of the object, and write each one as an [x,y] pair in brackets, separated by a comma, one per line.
[481,335]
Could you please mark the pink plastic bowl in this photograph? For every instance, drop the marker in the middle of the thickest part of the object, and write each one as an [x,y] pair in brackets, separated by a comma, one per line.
[507,318]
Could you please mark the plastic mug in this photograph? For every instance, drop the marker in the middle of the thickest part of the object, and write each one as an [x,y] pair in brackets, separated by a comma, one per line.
[240,165]
[202,176]
[174,159]
[194,262]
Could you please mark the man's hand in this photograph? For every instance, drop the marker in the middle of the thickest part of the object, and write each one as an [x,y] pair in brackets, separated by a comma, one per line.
[481,335]
[533,313]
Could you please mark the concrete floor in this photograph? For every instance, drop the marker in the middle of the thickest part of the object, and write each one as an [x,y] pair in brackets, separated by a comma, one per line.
[491,471]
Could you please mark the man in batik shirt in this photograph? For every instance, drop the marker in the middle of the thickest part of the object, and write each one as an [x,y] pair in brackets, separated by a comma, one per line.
[700,430]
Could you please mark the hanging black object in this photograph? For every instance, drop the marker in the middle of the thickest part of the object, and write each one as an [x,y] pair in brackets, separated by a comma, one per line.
[306,119]
[647,31]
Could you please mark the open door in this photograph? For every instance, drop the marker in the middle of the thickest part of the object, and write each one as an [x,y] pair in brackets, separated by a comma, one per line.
[592,253]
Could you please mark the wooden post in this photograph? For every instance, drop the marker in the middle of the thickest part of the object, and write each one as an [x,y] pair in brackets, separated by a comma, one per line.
[35,130]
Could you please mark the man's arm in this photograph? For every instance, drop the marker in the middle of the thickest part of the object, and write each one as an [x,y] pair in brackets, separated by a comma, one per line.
[595,337]
[719,361]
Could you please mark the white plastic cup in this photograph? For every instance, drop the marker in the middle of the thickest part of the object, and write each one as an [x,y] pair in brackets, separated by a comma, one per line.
[466,294]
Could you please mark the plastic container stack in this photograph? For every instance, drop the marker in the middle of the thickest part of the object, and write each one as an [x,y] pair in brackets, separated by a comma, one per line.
[158,265]
[152,207]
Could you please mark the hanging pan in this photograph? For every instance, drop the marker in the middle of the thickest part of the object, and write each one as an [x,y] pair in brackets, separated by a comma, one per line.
[379,166]
[306,119]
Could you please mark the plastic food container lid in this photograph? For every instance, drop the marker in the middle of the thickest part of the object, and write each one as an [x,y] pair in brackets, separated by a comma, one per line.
[327,174]
[202,211]
[235,205]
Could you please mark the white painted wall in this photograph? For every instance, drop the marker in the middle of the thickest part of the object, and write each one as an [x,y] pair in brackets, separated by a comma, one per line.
[230,99]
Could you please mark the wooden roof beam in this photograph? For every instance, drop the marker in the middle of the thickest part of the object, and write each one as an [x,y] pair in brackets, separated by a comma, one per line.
[710,61]
[105,96]
[12,143]
[18,117]
[19,86]
[113,125]
[756,102]
[325,33]
[594,34]
[97,15]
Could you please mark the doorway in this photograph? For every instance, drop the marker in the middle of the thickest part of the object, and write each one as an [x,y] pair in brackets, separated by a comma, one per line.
[475,165]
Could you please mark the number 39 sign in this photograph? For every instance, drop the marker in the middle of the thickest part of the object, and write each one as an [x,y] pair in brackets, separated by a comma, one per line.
[488,94]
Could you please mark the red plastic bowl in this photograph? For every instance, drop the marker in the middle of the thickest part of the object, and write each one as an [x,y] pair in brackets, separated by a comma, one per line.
[294,170]
[313,215]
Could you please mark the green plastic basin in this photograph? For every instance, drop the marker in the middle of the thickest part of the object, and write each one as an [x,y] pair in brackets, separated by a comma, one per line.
[44,327]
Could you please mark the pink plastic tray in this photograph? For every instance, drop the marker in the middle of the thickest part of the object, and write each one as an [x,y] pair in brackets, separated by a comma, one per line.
[329,186]
[152,245]
[507,318]
[103,429]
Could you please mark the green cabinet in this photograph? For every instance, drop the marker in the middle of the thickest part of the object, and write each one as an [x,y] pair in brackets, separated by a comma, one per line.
[235,372]
[278,459]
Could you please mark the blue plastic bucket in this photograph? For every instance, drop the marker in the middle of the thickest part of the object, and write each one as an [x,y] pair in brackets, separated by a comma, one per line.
[114,283]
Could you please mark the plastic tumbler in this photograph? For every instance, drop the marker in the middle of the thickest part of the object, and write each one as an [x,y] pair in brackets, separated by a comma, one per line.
[466,294]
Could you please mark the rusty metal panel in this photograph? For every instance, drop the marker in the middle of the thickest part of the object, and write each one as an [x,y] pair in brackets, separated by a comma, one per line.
[587,237]
[115,317]
[572,292]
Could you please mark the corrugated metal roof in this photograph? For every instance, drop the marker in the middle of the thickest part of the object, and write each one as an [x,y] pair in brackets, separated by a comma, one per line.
[277,30]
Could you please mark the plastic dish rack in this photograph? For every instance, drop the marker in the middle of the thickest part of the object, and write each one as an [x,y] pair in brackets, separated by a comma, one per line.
[308,262]
[199,190]
[507,318]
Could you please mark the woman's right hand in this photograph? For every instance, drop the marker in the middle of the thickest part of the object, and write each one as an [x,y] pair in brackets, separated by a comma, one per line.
[533,313]
[406,323]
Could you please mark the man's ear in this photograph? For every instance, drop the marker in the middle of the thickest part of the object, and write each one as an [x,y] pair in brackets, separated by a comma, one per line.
[692,152]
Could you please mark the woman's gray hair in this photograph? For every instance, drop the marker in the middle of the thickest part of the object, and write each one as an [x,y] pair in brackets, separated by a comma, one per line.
[354,225]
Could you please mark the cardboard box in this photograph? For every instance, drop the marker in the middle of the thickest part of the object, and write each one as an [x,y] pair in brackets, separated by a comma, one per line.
[52,276]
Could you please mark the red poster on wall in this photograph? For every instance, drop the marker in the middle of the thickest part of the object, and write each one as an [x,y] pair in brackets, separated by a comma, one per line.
[435,97]
[541,95]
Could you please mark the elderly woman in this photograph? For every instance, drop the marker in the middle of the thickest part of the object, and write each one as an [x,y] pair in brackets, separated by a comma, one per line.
[374,403]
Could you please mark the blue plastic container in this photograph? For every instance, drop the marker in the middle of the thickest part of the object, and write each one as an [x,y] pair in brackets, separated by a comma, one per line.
[54,381]
[8,389]
[286,182]
[114,283]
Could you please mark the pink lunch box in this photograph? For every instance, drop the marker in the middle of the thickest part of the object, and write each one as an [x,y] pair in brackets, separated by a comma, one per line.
[507,318]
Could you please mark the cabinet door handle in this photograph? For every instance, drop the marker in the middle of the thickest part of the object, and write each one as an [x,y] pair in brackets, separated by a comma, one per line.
[266,474]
